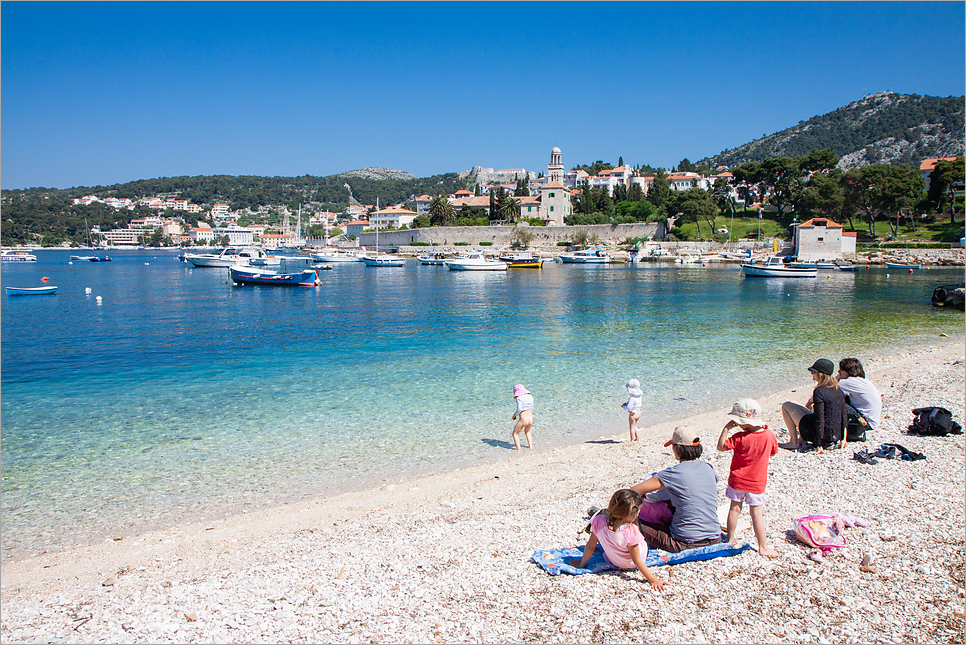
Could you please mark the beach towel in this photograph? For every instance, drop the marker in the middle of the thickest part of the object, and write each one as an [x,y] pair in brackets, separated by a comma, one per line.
[554,561]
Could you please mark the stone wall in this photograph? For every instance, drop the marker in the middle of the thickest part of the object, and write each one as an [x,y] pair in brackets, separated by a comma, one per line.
[543,236]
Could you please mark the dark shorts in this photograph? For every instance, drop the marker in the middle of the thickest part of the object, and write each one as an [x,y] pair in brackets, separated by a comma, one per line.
[659,537]
[807,431]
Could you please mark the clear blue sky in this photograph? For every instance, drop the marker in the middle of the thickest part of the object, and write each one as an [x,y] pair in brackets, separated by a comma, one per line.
[102,93]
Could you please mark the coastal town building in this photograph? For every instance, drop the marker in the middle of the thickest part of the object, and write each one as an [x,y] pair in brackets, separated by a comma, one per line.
[822,239]
[201,233]
[219,210]
[237,235]
[392,218]
[355,227]
[422,203]
[125,236]
[928,165]
[277,240]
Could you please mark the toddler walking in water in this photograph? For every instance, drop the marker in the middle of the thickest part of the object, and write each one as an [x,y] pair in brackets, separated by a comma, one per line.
[635,398]
[523,415]
[620,537]
[753,447]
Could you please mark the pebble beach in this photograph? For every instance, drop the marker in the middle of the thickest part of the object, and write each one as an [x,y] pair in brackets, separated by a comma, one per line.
[446,558]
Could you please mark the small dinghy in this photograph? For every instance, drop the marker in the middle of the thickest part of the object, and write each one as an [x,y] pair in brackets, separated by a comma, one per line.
[30,291]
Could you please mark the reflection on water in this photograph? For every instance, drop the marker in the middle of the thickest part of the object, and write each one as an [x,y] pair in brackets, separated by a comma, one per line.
[182,396]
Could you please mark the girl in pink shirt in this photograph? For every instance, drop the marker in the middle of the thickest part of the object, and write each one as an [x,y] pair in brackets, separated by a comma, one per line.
[620,537]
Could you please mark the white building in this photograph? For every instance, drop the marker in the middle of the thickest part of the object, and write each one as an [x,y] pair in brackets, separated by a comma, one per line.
[237,235]
[392,218]
[219,210]
[822,239]
[201,232]
[126,236]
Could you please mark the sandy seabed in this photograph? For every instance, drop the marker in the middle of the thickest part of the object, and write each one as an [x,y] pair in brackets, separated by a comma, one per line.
[446,558]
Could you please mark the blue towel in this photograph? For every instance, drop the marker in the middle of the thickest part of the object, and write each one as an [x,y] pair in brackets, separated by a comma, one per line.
[554,561]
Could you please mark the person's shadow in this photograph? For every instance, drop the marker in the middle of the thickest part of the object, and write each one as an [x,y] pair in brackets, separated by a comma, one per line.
[499,443]
[602,441]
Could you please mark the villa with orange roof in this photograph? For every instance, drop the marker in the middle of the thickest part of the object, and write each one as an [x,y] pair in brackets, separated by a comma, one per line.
[928,165]
[822,239]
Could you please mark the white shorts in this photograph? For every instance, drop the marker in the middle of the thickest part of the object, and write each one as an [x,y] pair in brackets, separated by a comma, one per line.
[752,499]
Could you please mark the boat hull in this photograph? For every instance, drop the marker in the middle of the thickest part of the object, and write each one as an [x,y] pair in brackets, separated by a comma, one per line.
[250,276]
[476,266]
[891,265]
[762,271]
[569,259]
[525,264]
[31,291]
[383,261]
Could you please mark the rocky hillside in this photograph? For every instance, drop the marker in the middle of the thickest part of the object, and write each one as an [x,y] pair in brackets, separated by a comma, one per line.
[881,128]
[378,174]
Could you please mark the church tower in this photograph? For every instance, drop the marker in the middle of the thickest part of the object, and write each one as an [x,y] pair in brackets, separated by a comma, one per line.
[555,169]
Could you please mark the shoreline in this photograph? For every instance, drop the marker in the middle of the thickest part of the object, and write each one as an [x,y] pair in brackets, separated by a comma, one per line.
[609,426]
[449,552]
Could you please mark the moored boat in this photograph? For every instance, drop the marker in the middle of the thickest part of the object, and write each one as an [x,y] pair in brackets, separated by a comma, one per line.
[226,258]
[523,260]
[820,264]
[384,260]
[242,275]
[774,267]
[591,256]
[333,257]
[900,265]
[30,291]
[436,258]
[17,256]
[475,261]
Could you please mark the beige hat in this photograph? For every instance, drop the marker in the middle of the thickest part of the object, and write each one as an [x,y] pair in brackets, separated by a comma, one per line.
[683,436]
[747,411]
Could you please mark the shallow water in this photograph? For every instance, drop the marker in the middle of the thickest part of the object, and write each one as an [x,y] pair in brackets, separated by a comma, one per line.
[180,396]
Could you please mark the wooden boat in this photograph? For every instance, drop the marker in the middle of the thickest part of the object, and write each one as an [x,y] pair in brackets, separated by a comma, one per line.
[899,265]
[773,267]
[30,291]
[242,275]
[523,260]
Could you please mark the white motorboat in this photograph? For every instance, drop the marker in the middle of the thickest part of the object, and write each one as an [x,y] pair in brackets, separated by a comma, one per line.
[17,256]
[586,257]
[436,258]
[332,257]
[774,267]
[383,260]
[688,257]
[230,257]
[475,261]
[820,264]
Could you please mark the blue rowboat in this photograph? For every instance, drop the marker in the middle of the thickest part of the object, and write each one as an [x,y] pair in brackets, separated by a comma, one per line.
[30,291]
[305,278]
[896,265]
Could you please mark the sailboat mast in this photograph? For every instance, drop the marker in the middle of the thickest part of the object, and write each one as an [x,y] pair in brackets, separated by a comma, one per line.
[377,227]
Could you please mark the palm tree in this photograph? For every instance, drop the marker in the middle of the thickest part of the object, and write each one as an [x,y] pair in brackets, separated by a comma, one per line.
[509,209]
[441,211]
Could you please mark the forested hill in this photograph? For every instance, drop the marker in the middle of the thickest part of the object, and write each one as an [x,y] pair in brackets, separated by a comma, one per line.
[333,193]
[881,128]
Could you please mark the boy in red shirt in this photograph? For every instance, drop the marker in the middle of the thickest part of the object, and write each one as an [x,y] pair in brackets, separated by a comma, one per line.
[753,446]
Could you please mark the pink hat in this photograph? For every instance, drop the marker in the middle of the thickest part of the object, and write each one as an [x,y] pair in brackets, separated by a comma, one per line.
[518,389]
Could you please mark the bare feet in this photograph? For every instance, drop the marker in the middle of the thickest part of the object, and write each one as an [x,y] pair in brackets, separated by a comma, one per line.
[768,552]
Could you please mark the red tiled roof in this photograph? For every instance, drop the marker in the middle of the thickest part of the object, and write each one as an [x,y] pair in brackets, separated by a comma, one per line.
[930,164]
[813,222]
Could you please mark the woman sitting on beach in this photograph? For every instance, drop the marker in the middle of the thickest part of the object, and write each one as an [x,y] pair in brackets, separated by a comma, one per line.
[692,489]
[862,395]
[822,420]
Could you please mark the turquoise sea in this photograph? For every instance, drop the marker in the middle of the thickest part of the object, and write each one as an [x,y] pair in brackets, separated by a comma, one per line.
[179,396]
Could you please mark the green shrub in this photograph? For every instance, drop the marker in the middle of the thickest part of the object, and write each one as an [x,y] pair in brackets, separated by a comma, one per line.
[563,243]
[461,243]
[419,244]
[486,243]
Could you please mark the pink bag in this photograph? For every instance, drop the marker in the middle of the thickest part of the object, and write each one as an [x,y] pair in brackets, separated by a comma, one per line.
[823,531]
[656,513]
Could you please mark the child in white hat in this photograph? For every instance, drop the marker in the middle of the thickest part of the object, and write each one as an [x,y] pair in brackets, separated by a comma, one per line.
[635,398]
[752,446]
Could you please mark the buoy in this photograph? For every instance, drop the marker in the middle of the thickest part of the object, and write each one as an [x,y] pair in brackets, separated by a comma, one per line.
[910,270]
[70,263]
[887,275]
[828,277]
[44,279]
[867,266]
[146,264]
[98,298]
[87,289]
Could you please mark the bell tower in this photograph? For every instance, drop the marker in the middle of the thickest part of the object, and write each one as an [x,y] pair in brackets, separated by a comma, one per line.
[555,169]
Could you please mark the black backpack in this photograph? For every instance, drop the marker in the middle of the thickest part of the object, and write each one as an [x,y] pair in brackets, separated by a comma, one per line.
[933,421]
